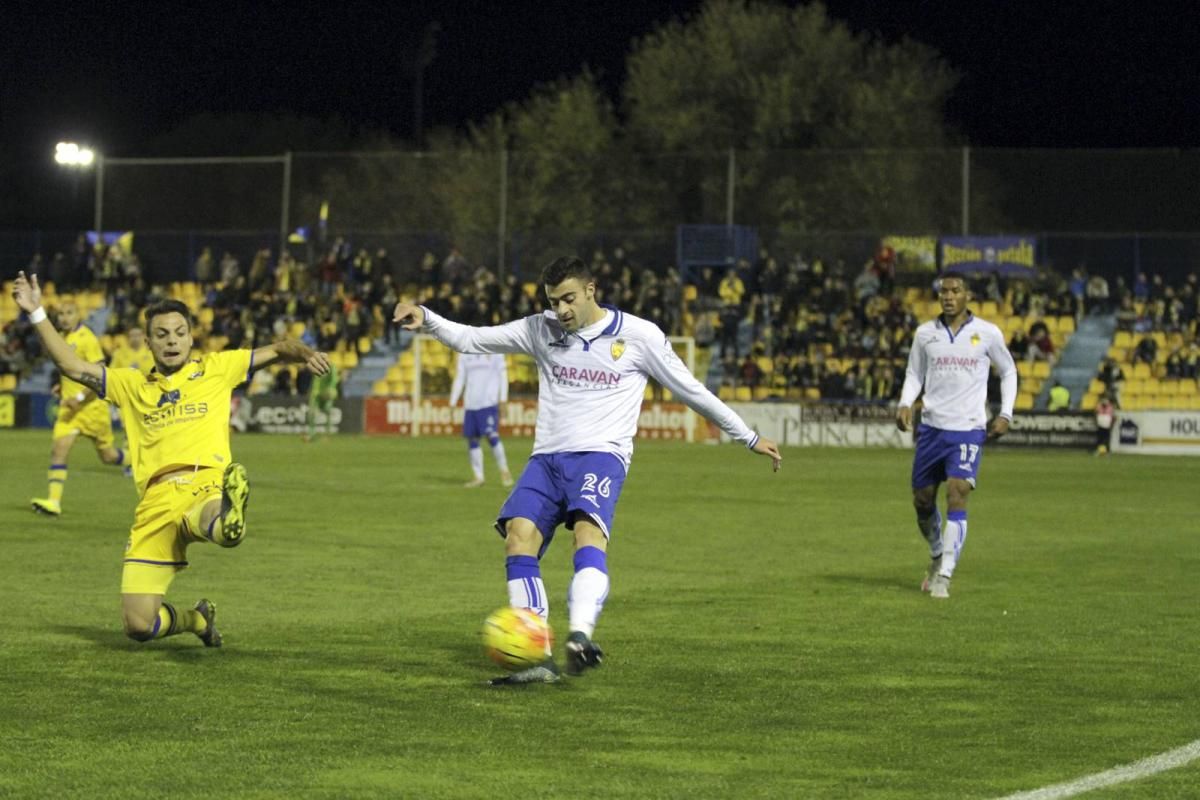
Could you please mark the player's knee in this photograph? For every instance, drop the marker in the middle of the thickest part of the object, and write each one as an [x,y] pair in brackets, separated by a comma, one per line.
[957,493]
[923,501]
[110,456]
[521,538]
[493,440]
[139,628]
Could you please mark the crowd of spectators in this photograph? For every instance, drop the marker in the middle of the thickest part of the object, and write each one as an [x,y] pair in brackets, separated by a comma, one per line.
[781,324]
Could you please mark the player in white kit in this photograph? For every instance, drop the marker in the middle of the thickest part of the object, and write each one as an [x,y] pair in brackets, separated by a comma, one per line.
[482,382]
[593,362]
[950,359]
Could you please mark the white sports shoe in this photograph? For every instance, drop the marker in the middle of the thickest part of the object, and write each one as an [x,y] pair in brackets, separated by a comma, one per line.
[939,587]
[934,566]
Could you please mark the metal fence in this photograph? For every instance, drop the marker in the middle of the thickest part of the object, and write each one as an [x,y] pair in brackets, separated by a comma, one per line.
[1116,211]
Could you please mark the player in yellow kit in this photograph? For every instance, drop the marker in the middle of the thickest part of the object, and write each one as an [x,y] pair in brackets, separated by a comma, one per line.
[177,418]
[80,412]
[134,353]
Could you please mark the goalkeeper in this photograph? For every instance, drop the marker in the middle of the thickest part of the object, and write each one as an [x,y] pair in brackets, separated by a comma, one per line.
[322,394]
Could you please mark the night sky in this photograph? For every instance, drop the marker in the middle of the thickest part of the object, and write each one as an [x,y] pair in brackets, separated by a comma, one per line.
[1034,74]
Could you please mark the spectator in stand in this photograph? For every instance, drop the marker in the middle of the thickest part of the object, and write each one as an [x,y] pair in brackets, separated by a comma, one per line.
[1113,378]
[1042,348]
[230,268]
[1174,365]
[1141,288]
[1019,344]
[1126,314]
[731,292]
[1078,286]
[1097,295]
[749,373]
[1105,416]
[1146,351]
[1060,399]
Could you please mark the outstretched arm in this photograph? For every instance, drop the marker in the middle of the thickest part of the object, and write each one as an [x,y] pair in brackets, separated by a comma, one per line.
[666,367]
[290,351]
[512,337]
[29,299]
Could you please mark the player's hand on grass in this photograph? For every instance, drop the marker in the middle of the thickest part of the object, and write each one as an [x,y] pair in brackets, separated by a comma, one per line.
[999,428]
[410,317]
[765,447]
[904,418]
[26,292]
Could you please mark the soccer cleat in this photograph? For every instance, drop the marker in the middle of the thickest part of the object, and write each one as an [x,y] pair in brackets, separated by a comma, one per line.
[473,484]
[506,478]
[934,565]
[44,505]
[235,491]
[211,636]
[939,587]
[546,672]
[582,653]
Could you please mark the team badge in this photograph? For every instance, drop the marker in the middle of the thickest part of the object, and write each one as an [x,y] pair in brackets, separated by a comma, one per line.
[618,349]
[974,339]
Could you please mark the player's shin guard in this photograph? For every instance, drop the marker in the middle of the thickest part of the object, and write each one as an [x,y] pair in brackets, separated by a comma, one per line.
[172,621]
[525,587]
[953,539]
[475,455]
[930,524]
[589,589]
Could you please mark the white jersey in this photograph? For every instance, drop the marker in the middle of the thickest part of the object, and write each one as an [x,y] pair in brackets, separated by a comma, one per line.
[484,379]
[591,383]
[953,370]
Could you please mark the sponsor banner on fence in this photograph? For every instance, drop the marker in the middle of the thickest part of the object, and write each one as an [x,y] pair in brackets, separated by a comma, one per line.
[793,425]
[1007,255]
[1050,430]
[282,413]
[394,415]
[1165,432]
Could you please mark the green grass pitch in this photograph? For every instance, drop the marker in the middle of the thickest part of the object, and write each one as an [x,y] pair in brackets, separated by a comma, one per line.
[765,633]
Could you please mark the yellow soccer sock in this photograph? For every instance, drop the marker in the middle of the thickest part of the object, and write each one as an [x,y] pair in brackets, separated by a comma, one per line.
[172,621]
[57,478]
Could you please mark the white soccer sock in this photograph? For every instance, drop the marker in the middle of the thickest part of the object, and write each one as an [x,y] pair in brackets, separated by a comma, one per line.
[501,459]
[953,539]
[589,589]
[476,456]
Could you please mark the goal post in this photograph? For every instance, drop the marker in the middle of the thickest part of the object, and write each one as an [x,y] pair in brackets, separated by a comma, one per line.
[428,370]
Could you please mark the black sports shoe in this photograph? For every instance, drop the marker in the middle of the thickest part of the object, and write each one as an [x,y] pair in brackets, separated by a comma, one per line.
[211,636]
[582,653]
[546,672]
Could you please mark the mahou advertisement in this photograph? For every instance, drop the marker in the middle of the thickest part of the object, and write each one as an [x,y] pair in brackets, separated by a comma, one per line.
[394,415]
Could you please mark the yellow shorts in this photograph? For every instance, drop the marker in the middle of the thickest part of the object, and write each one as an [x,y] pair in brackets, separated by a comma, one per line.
[158,540]
[93,421]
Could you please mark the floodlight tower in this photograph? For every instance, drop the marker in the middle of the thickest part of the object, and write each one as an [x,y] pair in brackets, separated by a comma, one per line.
[77,157]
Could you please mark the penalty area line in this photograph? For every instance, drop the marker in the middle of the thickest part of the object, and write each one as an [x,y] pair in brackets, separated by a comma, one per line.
[1172,759]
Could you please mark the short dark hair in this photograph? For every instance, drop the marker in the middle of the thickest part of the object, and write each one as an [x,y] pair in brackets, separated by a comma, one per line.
[565,267]
[953,274]
[168,307]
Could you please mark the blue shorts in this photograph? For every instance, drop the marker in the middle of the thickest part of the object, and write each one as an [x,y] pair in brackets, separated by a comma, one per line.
[480,422]
[946,454]
[554,485]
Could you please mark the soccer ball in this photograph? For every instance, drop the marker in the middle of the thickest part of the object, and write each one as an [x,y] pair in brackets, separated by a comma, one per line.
[516,638]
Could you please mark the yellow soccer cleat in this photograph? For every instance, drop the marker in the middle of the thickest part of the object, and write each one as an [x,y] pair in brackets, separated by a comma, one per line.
[235,492]
[44,505]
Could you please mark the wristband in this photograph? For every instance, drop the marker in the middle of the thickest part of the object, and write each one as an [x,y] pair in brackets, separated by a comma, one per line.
[37,315]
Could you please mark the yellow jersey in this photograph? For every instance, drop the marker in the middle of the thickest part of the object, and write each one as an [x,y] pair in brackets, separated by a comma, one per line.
[180,420]
[140,359]
[86,346]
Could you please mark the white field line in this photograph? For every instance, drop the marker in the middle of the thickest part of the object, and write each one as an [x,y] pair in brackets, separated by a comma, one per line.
[1129,772]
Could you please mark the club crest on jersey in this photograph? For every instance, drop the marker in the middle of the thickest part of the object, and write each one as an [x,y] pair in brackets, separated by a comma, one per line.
[974,339]
[168,397]
[617,349]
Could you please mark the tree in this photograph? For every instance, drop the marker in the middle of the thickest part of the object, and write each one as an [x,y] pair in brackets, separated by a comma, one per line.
[833,130]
